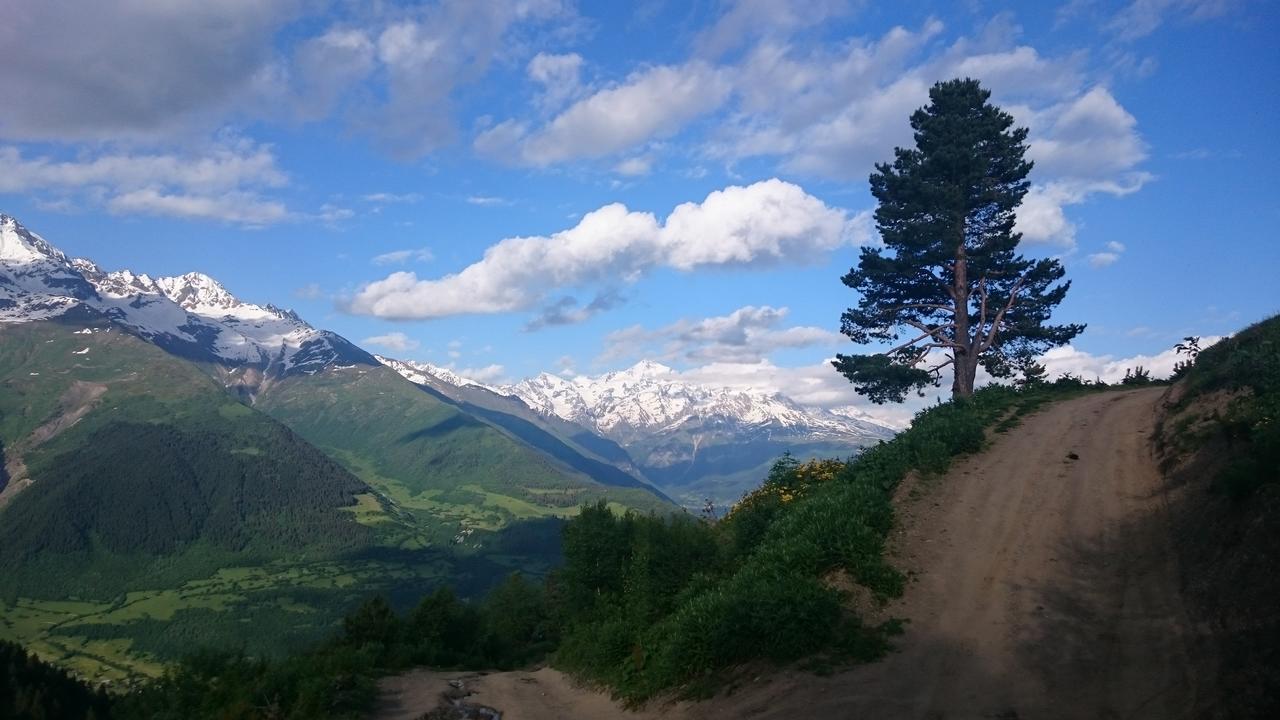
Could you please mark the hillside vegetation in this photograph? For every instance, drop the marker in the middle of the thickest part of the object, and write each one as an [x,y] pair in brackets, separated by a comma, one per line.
[1220,440]
[146,512]
[651,604]
[435,465]
[643,604]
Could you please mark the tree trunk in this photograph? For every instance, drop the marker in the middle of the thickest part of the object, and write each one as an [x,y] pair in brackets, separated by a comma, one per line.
[966,370]
[965,363]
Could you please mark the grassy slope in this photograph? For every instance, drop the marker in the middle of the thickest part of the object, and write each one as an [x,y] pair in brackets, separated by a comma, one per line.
[1220,439]
[167,513]
[444,466]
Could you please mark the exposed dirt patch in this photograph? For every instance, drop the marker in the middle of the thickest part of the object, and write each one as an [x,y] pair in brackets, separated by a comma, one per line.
[74,404]
[543,694]
[1042,587]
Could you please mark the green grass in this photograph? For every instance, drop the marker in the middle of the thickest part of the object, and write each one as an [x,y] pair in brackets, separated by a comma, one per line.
[1243,372]
[410,443]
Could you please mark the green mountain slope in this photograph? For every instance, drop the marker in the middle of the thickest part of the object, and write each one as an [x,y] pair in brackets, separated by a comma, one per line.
[117,449]
[146,509]
[428,458]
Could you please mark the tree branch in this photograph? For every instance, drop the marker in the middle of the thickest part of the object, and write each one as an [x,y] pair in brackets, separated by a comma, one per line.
[990,338]
[934,332]
[928,306]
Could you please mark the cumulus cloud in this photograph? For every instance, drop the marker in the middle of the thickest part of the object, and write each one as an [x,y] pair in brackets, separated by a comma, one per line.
[1069,359]
[650,103]
[767,223]
[400,257]
[395,341]
[748,334]
[832,111]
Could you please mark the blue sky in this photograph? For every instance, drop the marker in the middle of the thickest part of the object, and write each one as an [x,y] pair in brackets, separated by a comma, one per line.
[689,178]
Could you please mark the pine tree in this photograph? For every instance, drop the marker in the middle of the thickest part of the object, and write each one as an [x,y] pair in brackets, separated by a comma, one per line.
[948,274]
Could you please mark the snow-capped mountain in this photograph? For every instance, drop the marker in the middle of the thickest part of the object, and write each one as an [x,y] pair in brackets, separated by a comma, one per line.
[693,441]
[37,281]
[427,374]
[191,315]
[696,441]
[649,398]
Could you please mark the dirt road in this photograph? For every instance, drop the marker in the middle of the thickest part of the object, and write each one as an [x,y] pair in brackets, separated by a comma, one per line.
[1043,587]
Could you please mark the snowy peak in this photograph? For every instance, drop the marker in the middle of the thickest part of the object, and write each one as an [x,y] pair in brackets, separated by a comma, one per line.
[20,246]
[650,398]
[36,280]
[199,293]
[192,315]
[423,373]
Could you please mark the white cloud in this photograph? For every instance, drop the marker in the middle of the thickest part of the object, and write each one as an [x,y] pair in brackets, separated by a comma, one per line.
[749,19]
[1069,359]
[428,53]
[487,200]
[223,183]
[226,167]
[1103,259]
[559,77]
[240,208]
[400,257]
[650,103]
[1042,217]
[769,222]
[748,334]
[395,341]
[635,166]
[489,374]
[384,198]
[1116,247]
[1090,137]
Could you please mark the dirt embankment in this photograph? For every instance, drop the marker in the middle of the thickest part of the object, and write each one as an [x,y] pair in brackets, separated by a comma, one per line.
[1043,586]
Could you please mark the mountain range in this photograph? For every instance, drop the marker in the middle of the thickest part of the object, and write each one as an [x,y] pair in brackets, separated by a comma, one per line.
[158,433]
[695,442]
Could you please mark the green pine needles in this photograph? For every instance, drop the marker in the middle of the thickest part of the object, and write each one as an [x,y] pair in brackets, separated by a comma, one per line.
[948,276]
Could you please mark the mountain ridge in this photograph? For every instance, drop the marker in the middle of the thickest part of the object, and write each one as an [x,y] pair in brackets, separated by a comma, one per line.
[693,441]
